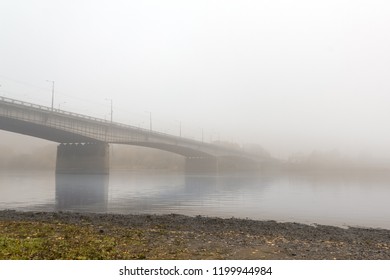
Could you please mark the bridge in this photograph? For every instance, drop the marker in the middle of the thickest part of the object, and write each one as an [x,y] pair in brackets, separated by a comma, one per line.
[84,140]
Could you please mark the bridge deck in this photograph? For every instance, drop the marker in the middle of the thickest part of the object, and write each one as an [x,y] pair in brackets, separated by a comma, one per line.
[68,127]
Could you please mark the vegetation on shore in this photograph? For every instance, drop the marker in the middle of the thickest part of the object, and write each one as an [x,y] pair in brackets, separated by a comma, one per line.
[43,240]
[57,240]
[30,235]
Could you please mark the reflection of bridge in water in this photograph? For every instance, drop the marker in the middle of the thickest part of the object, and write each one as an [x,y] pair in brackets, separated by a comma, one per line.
[159,192]
[82,192]
[84,140]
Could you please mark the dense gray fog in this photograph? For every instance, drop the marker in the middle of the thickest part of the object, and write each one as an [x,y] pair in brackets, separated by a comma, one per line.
[292,76]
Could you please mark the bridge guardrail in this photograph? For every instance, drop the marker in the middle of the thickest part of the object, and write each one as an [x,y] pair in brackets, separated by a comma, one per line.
[49,110]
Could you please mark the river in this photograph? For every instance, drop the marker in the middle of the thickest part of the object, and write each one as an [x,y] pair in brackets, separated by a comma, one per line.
[284,198]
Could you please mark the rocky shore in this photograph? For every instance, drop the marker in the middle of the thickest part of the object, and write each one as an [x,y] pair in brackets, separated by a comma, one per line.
[85,236]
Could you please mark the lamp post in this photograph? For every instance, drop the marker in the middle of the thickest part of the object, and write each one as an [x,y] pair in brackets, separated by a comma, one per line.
[112,111]
[150,120]
[179,122]
[52,93]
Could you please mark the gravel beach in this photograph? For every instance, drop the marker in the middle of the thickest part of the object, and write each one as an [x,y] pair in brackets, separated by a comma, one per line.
[182,237]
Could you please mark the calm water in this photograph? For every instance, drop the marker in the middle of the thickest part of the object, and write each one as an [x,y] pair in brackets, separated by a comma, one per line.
[283,198]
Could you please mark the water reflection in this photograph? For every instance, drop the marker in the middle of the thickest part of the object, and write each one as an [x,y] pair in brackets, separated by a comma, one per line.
[185,194]
[82,192]
[282,197]
[199,185]
[203,186]
[134,192]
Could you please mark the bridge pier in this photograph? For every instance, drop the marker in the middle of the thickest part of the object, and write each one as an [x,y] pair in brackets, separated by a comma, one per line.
[236,164]
[219,165]
[83,158]
[194,165]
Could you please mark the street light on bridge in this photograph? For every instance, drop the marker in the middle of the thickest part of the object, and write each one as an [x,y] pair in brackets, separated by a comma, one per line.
[52,93]
[112,111]
[150,120]
[179,127]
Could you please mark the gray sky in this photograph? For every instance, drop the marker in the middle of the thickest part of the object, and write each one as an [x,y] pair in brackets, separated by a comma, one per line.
[289,75]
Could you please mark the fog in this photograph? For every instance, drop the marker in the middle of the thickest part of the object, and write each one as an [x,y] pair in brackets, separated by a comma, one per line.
[292,76]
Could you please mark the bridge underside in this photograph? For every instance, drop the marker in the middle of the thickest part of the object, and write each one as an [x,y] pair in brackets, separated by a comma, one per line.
[62,136]
[176,149]
[93,158]
[81,154]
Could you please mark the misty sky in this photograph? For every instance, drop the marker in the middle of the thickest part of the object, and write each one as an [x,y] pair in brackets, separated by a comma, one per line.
[289,75]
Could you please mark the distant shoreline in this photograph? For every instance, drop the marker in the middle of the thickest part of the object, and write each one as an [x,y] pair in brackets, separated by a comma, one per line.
[182,237]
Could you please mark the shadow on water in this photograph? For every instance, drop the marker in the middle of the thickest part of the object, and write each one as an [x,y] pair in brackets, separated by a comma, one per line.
[81,192]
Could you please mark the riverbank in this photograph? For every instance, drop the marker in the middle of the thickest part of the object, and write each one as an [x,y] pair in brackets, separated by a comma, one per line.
[57,235]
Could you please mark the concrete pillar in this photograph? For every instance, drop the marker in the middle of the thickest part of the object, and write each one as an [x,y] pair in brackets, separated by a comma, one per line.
[86,158]
[200,165]
[231,165]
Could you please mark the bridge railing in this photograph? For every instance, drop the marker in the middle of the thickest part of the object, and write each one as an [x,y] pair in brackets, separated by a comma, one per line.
[58,111]
[50,110]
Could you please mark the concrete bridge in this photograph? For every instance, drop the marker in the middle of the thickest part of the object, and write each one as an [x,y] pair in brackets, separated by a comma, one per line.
[83,140]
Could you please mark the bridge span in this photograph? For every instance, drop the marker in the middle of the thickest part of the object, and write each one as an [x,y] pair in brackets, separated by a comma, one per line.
[83,140]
